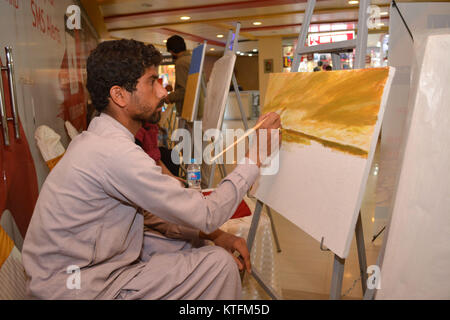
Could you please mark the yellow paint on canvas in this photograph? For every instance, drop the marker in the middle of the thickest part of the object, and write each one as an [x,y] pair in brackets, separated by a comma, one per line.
[296,137]
[189,97]
[338,108]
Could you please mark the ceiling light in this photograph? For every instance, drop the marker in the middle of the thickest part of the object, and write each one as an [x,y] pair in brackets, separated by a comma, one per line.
[250,55]
[212,49]
[238,52]
[185,18]
[257,23]
[219,36]
[164,41]
[255,50]
[353,2]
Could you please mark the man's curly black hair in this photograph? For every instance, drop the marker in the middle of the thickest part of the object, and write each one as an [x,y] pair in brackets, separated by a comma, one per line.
[118,62]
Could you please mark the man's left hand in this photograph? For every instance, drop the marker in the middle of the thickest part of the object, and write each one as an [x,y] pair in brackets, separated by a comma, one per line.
[183,182]
[231,243]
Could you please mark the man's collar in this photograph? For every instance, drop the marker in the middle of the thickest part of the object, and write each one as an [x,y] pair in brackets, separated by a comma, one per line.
[117,124]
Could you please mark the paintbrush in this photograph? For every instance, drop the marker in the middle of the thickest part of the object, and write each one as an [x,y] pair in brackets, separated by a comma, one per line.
[249,132]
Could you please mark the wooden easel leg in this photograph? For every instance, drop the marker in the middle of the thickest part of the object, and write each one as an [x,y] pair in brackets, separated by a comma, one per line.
[223,170]
[338,275]
[238,97]
[169,125]
[211,175]
[223,173]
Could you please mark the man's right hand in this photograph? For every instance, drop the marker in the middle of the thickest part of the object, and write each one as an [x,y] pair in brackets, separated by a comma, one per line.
[269,122]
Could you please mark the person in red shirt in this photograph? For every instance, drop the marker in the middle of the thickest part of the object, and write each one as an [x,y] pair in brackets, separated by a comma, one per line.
[147,139]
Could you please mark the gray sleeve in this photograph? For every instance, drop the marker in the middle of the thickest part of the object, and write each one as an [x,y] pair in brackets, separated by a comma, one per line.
[133,177]
[168,229]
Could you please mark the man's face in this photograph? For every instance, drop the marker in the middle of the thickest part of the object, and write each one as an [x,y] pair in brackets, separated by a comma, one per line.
[156,116]
[147,99]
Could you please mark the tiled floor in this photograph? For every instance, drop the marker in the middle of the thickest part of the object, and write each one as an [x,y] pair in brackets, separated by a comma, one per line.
[304,271]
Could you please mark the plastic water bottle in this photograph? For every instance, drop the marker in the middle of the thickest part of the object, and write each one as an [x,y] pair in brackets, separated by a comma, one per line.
[194,175]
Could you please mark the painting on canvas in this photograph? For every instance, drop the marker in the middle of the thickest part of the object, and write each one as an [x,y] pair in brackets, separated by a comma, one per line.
[217,91]
[190,103]
[330,128]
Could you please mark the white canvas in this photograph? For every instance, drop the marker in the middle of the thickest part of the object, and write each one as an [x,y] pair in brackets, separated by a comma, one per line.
[217,91]
[422,18]
[416,263]
[321,190]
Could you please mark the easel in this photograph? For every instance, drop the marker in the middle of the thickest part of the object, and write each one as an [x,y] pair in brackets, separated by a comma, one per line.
[196,102]
[360,43]
[238,97]
[244,121]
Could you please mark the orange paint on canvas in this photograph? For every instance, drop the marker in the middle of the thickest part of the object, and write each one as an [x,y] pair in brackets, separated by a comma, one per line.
[189,97]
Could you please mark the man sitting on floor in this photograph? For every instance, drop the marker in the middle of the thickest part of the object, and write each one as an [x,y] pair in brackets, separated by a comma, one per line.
[89,218]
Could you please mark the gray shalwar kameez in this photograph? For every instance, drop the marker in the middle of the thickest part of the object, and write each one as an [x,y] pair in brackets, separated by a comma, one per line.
[90,215]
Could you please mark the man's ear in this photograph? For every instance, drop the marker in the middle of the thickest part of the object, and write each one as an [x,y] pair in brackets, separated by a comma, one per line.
[120,96]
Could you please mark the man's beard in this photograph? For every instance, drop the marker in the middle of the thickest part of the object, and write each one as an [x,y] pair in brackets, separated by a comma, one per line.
[156,116]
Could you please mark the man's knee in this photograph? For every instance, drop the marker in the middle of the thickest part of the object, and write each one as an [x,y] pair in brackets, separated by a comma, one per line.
[222,259]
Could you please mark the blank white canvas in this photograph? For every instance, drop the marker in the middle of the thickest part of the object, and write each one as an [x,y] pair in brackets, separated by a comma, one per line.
[321,190]
[416,263]
[422,18]
[217,91]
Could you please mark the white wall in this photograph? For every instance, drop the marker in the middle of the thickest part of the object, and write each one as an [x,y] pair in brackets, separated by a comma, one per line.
[269,48]
[422,18]
[36,31]
[416,263]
